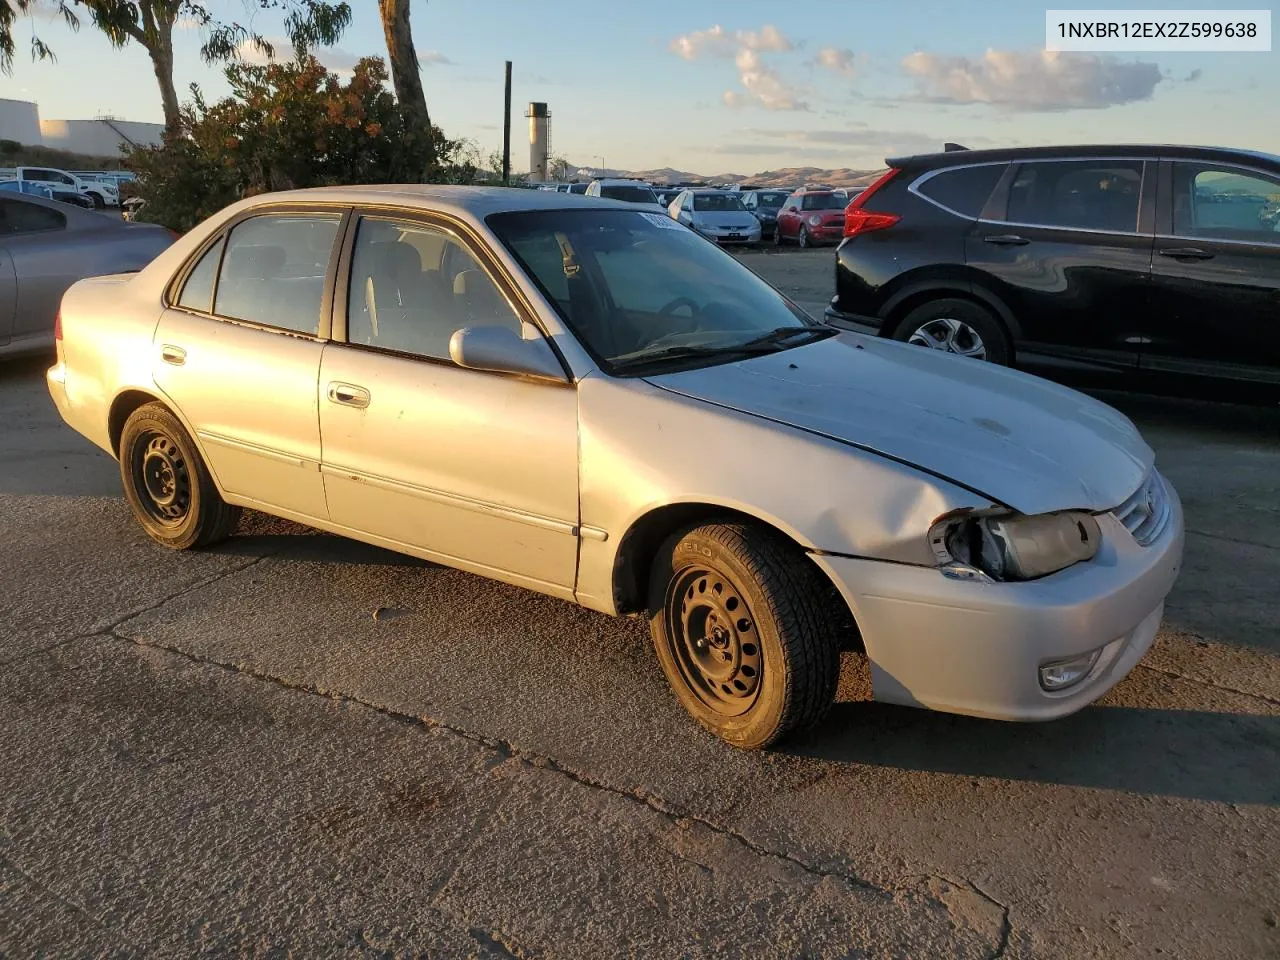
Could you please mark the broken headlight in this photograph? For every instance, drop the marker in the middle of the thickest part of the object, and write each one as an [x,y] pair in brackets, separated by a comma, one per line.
[1011,547]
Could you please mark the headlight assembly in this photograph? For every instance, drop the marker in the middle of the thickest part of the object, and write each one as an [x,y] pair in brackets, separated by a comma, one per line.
[1007,547]
[814,220]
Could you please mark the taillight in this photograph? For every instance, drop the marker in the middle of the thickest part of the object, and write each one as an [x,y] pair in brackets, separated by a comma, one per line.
[57,327]
[857,220]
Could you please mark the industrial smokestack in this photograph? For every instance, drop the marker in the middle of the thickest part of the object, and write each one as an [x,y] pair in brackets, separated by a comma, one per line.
[539,140]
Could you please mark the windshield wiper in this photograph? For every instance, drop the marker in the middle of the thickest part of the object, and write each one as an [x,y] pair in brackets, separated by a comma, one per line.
[779,334]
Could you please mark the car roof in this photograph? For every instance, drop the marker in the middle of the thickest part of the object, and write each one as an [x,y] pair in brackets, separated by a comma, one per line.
[477,202]
[1005,154]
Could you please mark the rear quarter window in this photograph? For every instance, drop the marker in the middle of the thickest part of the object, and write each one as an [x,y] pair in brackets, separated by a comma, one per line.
[964,190]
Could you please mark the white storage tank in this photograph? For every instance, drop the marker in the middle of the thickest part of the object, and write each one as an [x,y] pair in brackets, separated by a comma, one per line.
[100,137]
[20,121]
[539,140]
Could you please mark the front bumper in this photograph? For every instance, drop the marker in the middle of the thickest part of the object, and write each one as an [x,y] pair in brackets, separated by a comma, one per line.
[745,235]
[976,648]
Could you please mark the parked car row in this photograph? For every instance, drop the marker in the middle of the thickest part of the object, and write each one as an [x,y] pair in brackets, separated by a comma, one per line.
[99,193]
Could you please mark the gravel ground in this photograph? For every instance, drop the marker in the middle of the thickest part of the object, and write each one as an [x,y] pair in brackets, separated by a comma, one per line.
[225,752]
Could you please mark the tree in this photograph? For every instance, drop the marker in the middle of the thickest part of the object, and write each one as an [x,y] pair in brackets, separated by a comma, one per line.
[285,126]
[149,23]
[406,73]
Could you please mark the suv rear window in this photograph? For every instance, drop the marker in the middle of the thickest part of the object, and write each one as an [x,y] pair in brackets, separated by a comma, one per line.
[1085,194]
[963,190]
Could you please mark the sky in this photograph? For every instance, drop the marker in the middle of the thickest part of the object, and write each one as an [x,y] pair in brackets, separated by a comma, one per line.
[734,87]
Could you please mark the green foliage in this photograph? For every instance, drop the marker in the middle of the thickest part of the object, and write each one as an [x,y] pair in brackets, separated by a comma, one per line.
[19,155]
[287,126]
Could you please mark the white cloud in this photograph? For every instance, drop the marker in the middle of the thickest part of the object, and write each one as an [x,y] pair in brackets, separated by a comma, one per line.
[836,59]
[761,85]
[1039,80]
[719,42]
[433,58]
[333,58]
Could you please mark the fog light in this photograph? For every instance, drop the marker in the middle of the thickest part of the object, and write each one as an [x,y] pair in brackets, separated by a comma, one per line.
[1060,674]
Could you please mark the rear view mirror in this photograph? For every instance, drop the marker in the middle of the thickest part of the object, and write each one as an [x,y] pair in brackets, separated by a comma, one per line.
[501,350]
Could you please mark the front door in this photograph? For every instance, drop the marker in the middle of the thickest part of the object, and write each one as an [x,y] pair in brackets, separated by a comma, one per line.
[1216,274]
[240,358]
[1062,245]
[478,470]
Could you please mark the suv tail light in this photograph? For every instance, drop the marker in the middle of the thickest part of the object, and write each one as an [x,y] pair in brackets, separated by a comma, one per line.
[857,220]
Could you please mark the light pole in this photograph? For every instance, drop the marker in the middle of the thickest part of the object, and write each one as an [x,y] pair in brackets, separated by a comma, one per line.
[600,157]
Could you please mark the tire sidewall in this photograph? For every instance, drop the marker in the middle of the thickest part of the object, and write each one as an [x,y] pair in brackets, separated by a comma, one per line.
[151,419]
[990,329]
[755,727]
[803,237]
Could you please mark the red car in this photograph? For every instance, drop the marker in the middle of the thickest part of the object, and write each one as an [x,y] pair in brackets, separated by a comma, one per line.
[811,217]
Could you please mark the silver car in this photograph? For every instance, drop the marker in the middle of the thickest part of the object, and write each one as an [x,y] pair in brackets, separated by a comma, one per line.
[716,214]
[583,398]
[46,246]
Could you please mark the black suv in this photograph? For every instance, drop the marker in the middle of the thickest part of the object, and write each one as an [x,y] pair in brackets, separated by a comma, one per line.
[1163,259]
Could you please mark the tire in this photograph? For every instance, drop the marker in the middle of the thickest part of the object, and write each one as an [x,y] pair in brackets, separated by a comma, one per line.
[768,658]
[929,323]
[98,202]
[777,235]
[803,238]
[167,484]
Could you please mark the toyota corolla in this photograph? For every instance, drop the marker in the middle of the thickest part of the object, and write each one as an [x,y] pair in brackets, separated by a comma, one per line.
[592,401]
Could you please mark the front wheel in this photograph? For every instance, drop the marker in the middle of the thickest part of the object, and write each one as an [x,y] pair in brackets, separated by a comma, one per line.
[98,202]
[804,238]
[168,485]
[743,629]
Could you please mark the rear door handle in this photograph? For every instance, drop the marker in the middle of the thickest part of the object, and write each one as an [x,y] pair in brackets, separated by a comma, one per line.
[1006,240]
[171,354]
[348,394]
[1186,253]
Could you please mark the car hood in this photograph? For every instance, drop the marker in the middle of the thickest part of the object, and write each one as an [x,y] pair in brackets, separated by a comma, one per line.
[741,219]
[1022,441]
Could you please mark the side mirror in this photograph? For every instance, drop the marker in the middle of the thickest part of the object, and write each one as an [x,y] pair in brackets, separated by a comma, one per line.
[793,209]
[502,350]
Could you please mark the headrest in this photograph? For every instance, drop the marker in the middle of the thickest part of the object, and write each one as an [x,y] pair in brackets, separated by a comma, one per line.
[394,259]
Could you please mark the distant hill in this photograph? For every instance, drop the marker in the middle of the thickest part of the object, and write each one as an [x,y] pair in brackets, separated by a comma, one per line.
[786,177]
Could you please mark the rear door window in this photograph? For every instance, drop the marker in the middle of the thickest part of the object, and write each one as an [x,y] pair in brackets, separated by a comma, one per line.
[1079,194]
[197,292]
[274,269]
[18,216]
[963,190]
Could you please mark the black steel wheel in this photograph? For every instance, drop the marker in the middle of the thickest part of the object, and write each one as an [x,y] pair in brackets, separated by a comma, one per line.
[167,484]
[743,627]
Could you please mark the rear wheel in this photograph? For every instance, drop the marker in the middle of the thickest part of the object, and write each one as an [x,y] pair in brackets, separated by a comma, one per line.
[743,629]
[98,202]
[958,326]
[168,485]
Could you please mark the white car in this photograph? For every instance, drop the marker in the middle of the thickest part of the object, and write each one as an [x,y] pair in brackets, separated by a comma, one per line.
[718,215]
[102,194]
[628,191]
[583,398]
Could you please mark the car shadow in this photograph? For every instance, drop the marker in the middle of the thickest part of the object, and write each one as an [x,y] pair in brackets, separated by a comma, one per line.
[1191,754]
[261,536]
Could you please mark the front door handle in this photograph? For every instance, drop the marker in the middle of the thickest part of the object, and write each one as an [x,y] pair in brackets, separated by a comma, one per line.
[1186,253]
[171,354]
[348,394]
[1006,240]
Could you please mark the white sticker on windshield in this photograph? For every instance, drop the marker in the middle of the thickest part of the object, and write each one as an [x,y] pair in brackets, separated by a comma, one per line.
[658,220]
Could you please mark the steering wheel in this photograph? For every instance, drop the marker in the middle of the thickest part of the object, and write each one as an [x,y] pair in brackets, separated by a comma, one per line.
[679,302]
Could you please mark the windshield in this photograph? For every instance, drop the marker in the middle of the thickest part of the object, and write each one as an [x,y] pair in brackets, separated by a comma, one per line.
[636,285]
[823,201]
[768,199]
[719,202]
[630,194]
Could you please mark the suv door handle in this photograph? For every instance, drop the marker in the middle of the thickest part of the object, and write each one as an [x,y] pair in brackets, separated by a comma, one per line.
[1186,253]
[1006,240]
[171,354]
[348,394]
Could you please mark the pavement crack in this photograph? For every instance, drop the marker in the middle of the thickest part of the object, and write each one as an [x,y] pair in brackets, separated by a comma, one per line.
[1174,674]
[1226,539]
[500,943]
[508,751]
[1006,927]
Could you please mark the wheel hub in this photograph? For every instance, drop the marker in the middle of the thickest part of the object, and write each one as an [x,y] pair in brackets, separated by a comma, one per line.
[163,483]
[715,642]
[950,336]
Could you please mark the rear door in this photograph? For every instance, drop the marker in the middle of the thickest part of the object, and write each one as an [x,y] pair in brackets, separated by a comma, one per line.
[1216,273]
[238,353]
[1066,245]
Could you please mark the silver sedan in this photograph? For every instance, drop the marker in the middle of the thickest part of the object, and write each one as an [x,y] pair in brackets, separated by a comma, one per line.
[580,397]
[46,246]
[718,215]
